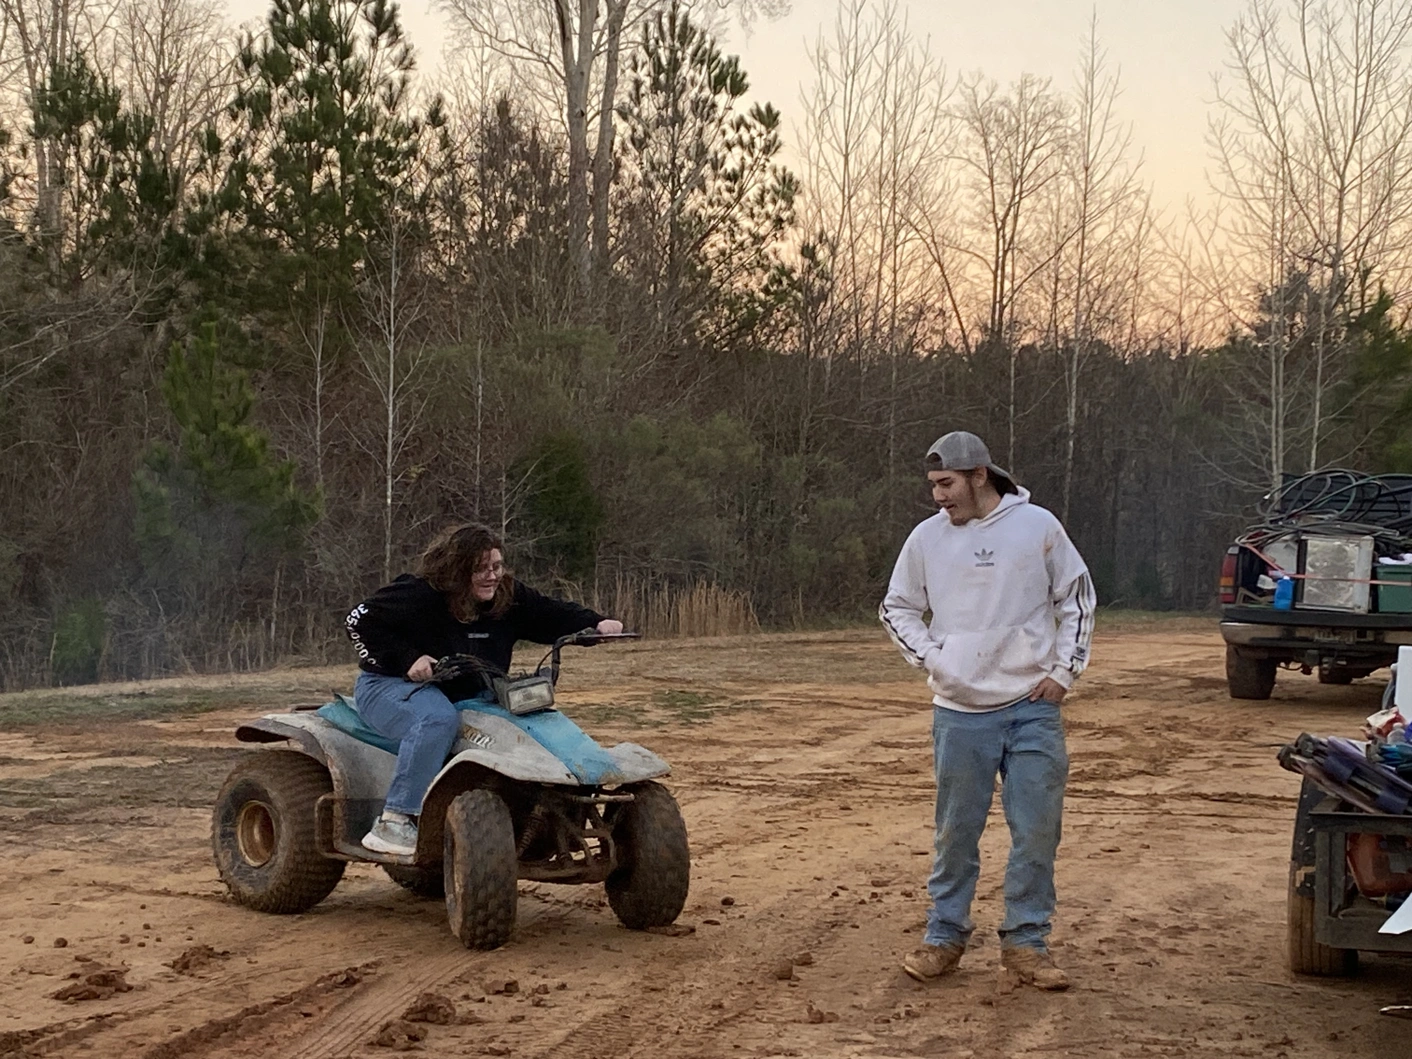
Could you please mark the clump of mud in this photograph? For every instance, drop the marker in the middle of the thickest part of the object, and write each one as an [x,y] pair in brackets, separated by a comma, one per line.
[399,1035]
[433,1008]
[95,985]
[196,958]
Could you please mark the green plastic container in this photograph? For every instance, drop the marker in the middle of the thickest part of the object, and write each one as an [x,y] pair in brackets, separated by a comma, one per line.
[1394,599]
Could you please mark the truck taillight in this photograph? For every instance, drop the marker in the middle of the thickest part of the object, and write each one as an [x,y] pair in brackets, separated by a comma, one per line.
[1228,576]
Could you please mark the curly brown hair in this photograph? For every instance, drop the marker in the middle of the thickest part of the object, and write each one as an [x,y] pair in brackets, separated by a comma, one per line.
[449,564]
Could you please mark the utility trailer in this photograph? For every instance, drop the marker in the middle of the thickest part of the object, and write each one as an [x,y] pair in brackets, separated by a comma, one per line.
[1329,921]
[1351,859]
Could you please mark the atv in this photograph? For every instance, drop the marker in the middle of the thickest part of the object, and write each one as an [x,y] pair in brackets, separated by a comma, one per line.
[525,794]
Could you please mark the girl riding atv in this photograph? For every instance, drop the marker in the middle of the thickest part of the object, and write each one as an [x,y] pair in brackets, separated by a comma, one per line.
[462,601]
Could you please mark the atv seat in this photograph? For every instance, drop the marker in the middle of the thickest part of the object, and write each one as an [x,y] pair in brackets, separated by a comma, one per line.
[556,733]
[343,714]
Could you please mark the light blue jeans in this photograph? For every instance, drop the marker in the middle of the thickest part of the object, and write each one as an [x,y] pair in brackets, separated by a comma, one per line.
[425,721]
[1024,744]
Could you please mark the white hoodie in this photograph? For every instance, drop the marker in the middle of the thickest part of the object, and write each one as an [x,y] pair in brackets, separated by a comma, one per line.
[1010,599]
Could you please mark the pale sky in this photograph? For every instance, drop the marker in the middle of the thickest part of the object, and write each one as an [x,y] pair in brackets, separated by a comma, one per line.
[1166,50]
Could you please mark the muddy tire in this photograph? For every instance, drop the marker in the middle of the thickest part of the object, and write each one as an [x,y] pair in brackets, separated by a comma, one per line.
[1248,677]
[424,882]
[262,833]
[648,887]
[480,869]
[1307,956]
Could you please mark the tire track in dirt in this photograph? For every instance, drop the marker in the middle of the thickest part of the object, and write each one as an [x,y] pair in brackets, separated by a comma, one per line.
[249,1020]
[696,991]
[352,1022]
[45,1039]
[133,1025]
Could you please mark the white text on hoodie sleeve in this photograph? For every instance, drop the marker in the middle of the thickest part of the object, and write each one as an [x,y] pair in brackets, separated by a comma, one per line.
[1071,590]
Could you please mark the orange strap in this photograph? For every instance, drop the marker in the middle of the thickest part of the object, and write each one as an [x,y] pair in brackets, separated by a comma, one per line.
[1314,577]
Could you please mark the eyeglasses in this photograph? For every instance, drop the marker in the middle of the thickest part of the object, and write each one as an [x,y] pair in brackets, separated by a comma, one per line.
[492,570]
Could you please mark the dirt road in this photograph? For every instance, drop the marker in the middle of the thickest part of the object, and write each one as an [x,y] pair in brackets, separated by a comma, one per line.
[802,764]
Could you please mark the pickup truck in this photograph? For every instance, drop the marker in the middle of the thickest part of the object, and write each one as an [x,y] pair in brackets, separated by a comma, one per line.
[1345,540]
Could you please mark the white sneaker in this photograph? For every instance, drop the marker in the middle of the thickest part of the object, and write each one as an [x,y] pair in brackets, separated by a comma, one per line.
[398,837]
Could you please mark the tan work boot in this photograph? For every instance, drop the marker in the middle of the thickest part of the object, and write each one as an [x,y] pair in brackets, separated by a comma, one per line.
[1033,967]
[932,961]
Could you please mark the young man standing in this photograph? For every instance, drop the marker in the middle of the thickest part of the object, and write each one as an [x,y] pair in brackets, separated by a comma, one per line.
[1011,618]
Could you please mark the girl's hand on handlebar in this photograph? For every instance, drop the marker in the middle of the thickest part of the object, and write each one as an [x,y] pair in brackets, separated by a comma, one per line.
[421,669]
[610,627]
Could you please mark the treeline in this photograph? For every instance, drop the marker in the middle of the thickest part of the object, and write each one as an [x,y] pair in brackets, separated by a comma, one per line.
[273,309]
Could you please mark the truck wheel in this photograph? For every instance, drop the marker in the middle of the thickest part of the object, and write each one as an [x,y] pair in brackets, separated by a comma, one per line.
[480,869]
[1249,677]
[1331,674]
[262,833]
[648,887]
[424,882]
[1307,956]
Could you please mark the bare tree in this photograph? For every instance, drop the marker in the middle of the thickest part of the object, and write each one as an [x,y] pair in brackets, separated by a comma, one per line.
[39,35]
[1105,198]
[1013,152]
[876,129]
[392,348]
[1312,142]
[176,63]
[576,46]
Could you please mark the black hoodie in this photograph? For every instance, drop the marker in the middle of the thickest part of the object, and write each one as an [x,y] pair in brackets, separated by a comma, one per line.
[402,621]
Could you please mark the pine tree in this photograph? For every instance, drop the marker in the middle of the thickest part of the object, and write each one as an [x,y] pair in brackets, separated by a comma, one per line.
[324,143]
[218,498]
[708,187]
[117,196]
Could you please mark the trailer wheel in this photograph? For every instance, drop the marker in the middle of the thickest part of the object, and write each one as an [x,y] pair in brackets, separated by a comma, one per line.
[1307,956]
[1247,676]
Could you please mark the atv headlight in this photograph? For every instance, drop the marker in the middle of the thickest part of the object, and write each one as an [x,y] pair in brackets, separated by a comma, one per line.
[525,694]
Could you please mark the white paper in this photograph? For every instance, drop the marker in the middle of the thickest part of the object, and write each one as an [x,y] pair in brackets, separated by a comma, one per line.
[1400,922]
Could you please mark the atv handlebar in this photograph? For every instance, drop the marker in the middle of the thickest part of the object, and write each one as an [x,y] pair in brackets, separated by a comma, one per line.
[459,665]
[583,638]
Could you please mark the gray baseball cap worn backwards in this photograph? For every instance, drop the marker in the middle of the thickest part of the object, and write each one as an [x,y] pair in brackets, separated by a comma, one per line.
[963,451]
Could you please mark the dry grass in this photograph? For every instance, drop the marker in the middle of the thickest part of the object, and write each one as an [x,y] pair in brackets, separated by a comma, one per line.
[705,609]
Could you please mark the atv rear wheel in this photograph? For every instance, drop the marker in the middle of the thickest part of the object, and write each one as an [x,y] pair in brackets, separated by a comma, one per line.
[648,887]
[262,833]
[480,869]
[424,882]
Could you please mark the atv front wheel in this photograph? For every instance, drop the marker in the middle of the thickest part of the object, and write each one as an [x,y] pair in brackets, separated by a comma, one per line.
[648,887]
[262,833]
[424,882]
[480,869]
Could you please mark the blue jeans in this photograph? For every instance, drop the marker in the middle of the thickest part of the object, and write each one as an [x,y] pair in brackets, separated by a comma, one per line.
[1024,743]
[423,719]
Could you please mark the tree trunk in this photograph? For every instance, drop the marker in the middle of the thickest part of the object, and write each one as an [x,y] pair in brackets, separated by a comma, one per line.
[576,48]
[603,153]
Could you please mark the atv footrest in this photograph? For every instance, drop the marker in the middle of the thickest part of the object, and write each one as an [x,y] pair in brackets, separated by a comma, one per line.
[342,846]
